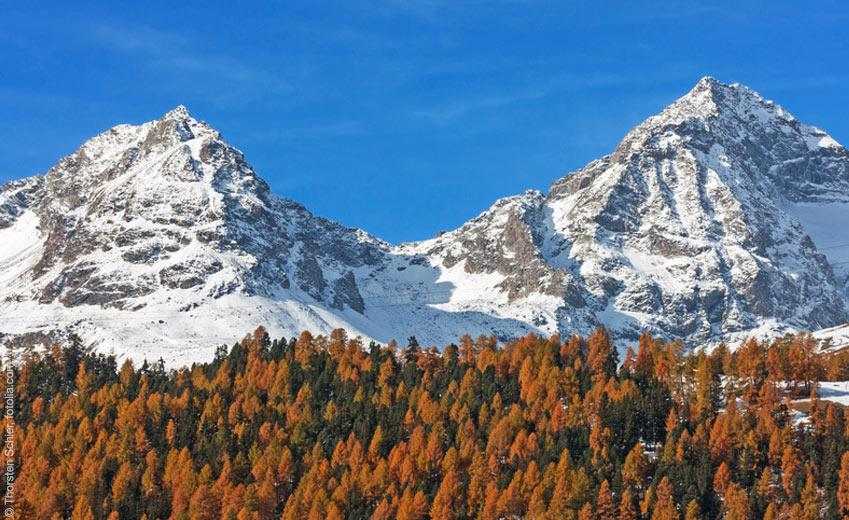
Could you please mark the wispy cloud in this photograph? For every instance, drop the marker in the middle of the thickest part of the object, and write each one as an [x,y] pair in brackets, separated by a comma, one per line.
[177,53]
[469,103]
[460,107]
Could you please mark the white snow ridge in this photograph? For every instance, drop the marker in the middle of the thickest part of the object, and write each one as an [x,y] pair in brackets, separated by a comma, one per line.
[719,218]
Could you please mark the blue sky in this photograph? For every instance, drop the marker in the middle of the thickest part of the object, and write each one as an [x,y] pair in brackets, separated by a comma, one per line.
[403,117]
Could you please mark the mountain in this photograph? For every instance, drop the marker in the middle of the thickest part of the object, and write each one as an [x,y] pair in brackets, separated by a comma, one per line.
[721,217]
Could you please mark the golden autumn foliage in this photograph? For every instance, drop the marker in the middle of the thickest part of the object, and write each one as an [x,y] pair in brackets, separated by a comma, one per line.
[325,427]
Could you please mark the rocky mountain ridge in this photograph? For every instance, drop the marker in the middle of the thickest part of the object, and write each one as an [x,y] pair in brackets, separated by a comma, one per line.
[716,219]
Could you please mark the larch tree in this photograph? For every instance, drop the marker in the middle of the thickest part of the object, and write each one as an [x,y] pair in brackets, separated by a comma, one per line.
[605,503]
[843,485]
[664,505]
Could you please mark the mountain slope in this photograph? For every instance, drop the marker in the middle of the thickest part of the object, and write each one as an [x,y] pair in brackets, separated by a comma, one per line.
[143,225]
[704,223]
[683,230]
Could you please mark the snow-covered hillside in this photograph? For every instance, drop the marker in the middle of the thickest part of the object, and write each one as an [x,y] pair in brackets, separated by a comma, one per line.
[833,339]
[721,217]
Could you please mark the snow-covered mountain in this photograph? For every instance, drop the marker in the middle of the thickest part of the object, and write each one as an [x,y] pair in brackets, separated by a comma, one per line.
[721,217]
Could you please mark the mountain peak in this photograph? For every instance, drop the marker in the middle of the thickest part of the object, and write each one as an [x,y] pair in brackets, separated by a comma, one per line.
[714,87]
[709,82]
[712,105]
[710,96]
[179,113]
[723,94]
[175,126]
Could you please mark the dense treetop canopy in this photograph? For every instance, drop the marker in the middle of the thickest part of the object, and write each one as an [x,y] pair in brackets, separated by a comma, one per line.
[325,427]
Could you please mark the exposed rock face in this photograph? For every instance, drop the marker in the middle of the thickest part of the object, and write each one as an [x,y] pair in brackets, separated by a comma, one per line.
[17,196]
[704,224]
[168,205]
[505,240]
[683,227]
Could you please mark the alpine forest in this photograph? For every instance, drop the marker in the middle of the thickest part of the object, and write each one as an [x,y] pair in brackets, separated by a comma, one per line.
[325,427]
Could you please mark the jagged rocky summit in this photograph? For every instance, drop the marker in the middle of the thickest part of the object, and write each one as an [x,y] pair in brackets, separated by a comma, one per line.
[719,218]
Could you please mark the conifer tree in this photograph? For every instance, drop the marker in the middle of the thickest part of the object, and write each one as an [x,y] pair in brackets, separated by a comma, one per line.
[664,506]
[843,485]
[605,503]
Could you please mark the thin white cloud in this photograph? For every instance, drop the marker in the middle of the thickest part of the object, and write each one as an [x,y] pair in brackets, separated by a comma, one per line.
[176,53]
[469,103]
[460,107]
